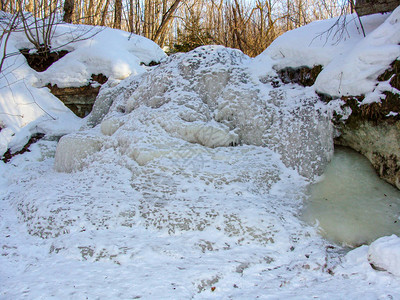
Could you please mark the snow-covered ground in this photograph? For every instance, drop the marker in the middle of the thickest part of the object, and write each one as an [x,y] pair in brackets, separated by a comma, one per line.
[186,181]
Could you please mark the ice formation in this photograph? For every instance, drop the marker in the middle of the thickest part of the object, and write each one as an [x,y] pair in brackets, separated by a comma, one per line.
[209,97]
[76,147]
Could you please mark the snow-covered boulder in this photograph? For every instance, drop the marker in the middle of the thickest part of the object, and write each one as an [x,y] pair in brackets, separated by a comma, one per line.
[384,254]
[209,97]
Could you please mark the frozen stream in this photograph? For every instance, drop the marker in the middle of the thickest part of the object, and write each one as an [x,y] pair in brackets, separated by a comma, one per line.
[351,205]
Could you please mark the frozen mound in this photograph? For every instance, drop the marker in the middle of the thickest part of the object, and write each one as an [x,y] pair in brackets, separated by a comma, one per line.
[208,97]
[384,254]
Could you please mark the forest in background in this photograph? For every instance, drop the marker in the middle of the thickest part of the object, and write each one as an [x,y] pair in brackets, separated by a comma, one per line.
[182,25]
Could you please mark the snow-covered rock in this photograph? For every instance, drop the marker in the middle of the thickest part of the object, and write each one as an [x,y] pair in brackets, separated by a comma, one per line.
[209,97]
[351,62]
[318,43]
[356,72]
[384,254]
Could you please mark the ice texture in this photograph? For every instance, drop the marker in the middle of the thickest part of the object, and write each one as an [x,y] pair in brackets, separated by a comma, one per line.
[209,97]
[73,149]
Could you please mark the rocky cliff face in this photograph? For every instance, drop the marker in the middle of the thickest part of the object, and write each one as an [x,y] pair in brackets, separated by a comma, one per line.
[367,7]
[374,129]
[79,99]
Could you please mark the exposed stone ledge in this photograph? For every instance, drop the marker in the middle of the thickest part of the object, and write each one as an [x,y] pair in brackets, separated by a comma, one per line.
[380,143]
[304,76]
[79,99]
[374,129]
[367,7]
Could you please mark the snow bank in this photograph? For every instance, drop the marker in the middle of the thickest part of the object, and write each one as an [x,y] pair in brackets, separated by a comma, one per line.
[26,107]
[384,254]
[26,110]
[351,62]
[114,53]
[319,42]
[356,72]
[209,97]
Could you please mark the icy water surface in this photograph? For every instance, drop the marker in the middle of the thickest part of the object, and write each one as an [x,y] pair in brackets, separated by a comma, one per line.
[352,205]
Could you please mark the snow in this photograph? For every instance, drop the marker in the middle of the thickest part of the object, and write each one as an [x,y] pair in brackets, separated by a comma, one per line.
[121,58]
[27,107]
[351,63]
[186,181]
[384,254]
[319,42]
[170,229]
[392,114]
[355,73]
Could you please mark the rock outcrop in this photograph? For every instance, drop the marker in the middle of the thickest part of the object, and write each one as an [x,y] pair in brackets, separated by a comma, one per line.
[79,99]
[368,7]
[374,129]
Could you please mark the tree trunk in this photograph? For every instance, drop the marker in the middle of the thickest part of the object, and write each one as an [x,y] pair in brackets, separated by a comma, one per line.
[130,17]
[165,20]
[118,14]
[68,10]
[104,15]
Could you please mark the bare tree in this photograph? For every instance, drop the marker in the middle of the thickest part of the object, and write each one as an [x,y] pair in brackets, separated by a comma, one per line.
[118,14]
[166,18]
[68,10]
